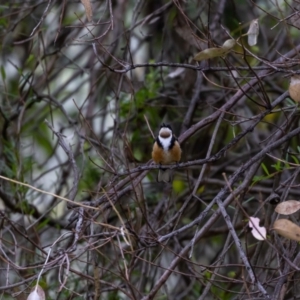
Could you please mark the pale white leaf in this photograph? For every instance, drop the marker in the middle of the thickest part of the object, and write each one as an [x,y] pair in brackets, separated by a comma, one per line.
[123,233]
[33,296]
[37,293]
[253,32]
[259,232]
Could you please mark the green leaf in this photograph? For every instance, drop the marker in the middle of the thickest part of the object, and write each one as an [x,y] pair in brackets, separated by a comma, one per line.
[277,167]
[295,159]
[3,74]
[265,169]
[258,178]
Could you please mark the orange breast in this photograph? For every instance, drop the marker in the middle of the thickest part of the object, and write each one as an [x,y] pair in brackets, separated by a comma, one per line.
[160,156]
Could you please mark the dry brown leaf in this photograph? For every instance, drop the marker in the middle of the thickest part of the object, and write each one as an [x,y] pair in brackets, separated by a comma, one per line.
[253,32]
[88,9]
[294,88]
[287,229]
[288,207]
[215,52]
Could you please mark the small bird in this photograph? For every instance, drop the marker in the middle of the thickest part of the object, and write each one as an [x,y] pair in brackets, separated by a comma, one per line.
[166,150]
[294,88]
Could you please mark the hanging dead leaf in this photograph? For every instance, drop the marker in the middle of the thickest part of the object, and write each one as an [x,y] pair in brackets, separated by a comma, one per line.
[209,53]
[88,9]
[37,293]
[294,88]
[288,207]
[215,52]
[287,229]
[259,232]
[229,44]
[253,32]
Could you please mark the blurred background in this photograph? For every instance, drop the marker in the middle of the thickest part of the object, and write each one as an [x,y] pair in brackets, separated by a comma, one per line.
[84,88]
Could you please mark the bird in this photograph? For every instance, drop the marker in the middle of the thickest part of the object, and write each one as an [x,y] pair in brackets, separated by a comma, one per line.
[166,150]
[294,88]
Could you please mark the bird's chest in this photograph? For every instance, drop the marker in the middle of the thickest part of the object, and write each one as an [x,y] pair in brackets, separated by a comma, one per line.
[167,156]
[161,155]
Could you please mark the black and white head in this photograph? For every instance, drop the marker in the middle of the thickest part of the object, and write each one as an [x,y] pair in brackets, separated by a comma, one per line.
[165,136]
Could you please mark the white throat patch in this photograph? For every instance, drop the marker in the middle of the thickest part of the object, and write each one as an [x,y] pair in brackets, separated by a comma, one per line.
[166,142]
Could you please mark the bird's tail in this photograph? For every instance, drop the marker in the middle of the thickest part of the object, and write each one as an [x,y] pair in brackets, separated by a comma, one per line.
[164,175]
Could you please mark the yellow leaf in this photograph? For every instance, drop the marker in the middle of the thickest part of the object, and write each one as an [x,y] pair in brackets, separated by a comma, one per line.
[215,52]
[228,44]
[201,189]
[178,185]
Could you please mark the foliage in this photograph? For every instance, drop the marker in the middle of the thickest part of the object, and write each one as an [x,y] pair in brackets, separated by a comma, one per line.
[85,86]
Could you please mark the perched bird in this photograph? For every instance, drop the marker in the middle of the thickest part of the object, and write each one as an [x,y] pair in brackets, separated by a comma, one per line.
[166,150]
[294,88]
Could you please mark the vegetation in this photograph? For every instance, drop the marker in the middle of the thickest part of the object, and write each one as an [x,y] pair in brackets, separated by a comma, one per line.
[84,89]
